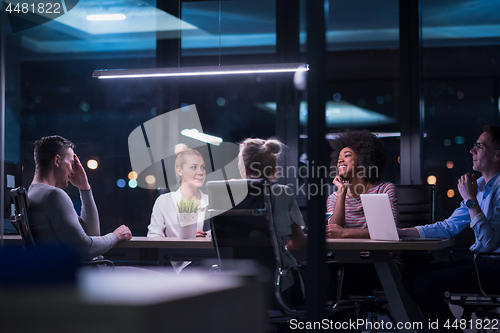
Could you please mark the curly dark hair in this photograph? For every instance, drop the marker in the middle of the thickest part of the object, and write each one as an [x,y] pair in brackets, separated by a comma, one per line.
[369,149]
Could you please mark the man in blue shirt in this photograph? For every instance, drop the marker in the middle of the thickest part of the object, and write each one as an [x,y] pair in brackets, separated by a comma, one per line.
[480,209]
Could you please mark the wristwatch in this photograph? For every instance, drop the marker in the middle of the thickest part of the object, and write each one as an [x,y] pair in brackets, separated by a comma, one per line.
[470,203]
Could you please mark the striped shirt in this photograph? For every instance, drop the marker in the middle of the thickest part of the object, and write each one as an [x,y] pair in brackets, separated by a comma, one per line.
[354,215]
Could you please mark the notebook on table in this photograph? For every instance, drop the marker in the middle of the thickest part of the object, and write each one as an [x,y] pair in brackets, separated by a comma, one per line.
[380,220]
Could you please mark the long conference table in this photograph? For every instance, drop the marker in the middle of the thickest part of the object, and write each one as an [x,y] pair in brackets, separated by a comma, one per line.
[345,250]
[402,306]
[403,309]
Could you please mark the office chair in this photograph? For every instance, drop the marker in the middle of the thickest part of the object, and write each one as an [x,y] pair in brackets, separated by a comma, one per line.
[20,218]
[415,204]
[416,207]
[484,304]
[247,231]
[20,221]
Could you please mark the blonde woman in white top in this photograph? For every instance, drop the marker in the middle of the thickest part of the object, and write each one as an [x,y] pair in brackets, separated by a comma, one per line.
[190,173]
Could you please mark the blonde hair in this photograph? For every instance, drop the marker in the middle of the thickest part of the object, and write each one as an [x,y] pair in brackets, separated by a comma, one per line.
[260,157]
[181,151]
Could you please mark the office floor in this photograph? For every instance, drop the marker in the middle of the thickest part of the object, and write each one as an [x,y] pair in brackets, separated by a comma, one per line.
[287,326]
[457,311]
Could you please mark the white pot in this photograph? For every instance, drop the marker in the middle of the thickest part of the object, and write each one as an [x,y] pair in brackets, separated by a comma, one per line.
[188,223]
[187,218]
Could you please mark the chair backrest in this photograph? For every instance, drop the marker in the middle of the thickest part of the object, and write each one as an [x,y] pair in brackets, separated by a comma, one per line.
[20,217]
[485,303]
[485,278]
[21,221]
[415,204]
[245,231]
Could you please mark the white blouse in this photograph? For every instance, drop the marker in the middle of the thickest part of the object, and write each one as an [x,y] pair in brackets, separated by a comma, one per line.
[164,221]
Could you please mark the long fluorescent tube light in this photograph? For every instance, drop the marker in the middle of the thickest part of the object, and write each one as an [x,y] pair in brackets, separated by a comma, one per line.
[195,134]
[205,70]
[333,136]
[106,17]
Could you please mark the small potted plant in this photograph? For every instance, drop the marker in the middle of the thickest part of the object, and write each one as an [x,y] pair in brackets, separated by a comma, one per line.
[187,211]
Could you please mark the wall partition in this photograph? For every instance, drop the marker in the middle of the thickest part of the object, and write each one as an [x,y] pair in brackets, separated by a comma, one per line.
[50,89]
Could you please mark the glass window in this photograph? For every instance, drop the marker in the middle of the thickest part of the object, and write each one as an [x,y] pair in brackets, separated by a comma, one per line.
[229,27]
[362,41]
[50,89]
[461,43]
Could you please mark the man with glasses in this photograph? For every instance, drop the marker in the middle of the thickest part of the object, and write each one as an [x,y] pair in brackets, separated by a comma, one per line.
[480,209]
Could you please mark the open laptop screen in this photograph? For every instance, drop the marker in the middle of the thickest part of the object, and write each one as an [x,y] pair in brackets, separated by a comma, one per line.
[379,217]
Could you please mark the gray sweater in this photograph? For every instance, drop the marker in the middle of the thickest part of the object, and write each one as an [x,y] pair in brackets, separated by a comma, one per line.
[54,221]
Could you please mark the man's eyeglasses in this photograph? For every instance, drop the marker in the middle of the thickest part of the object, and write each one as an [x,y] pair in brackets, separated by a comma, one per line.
[479,146]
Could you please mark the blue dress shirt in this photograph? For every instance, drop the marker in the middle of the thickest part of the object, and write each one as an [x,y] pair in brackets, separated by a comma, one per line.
[486,225]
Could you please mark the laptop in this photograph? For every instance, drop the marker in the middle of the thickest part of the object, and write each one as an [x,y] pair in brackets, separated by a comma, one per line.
[380,220]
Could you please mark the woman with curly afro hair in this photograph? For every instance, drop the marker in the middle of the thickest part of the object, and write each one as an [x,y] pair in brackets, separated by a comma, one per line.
[358,162]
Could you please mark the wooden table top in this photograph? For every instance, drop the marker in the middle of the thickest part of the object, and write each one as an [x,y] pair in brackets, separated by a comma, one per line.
[331,243]
[371,245]
[167,243]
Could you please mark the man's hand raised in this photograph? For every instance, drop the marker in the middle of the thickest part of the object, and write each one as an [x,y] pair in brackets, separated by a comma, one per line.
[79,177]
[467,187]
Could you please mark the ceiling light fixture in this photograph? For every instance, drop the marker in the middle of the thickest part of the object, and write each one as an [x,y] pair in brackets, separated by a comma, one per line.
[333,136]
[106,17]
[195,134]
[194,71]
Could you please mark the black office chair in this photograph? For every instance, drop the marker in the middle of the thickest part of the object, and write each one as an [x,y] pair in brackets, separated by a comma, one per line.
[247,231]
[20,218]
[416,207]
[415,204]
[20,221]
[483,304]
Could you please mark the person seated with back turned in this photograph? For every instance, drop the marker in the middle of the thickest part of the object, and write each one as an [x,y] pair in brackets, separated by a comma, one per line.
[361,159]
[258,158]
[54,220]
[480,209]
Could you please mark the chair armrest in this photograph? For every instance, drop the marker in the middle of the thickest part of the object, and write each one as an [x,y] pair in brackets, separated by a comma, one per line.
[99,261]
[286,270]
[484,255]
[459,253]
[277,291]
[340,278]
[13,221]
